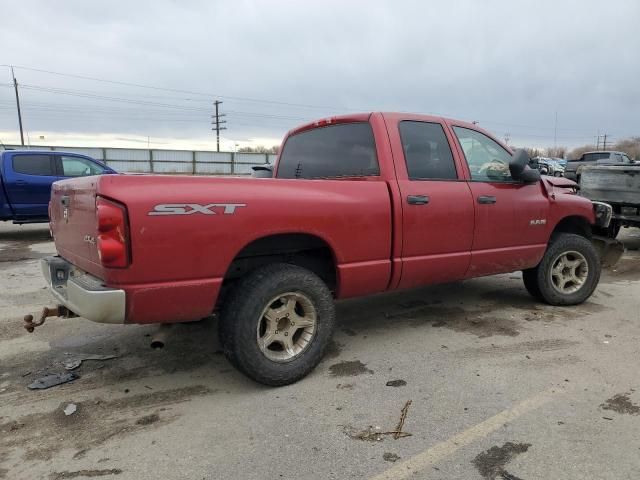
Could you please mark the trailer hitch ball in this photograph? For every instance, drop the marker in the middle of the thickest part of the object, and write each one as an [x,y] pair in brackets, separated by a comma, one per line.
[59,311]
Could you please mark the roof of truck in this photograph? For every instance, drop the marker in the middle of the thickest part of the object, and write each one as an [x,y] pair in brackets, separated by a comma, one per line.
[605,151]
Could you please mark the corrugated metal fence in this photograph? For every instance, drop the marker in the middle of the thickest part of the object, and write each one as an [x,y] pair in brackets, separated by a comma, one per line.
[189,162]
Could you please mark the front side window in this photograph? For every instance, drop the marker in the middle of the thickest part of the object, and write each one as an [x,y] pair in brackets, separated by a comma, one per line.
[33,165]
[487,160]
[426,151]
[343,150]
[79,167]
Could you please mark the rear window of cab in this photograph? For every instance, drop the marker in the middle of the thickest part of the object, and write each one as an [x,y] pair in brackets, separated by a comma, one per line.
[342,150]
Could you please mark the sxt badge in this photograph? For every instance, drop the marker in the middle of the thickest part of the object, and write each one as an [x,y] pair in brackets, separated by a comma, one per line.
[191,208]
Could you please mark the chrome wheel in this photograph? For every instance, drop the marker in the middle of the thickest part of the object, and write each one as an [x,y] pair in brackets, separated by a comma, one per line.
[286,327]
[569,272]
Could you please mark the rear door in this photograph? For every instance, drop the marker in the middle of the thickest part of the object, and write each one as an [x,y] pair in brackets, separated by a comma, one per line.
[28,179]
[437,209]
[510,216]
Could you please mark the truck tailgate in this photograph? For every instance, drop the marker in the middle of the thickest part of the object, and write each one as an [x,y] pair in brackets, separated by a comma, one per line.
[611,184]
[73,222]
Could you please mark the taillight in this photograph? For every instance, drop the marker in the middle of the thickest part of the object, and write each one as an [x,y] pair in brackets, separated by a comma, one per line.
[113,234]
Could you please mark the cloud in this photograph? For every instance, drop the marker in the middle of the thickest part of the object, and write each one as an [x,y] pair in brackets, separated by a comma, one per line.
[509,65]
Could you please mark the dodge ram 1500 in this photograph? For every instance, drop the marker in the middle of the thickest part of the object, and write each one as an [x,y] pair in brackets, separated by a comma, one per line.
[357,205]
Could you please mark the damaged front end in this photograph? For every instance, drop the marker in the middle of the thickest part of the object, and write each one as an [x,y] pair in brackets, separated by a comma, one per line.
[609,249]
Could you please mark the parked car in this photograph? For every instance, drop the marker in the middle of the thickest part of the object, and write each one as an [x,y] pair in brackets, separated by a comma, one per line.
[574,167]
[358,205]
[617,185]
[548,166]
[26,177]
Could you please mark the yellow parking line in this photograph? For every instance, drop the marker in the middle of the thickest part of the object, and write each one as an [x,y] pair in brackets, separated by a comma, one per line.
[442,450]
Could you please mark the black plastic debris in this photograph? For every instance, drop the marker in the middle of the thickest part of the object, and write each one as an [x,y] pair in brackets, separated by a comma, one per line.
[396,383]
[52,380]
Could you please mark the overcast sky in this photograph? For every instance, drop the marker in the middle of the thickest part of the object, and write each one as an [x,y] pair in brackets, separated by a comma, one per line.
[511,65]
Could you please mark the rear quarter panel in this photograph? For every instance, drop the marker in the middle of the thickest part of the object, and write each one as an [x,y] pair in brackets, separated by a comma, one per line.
[191,253]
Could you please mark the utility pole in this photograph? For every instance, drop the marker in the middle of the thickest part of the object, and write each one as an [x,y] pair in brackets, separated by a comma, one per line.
[604,137]
[15,87]
[217,122]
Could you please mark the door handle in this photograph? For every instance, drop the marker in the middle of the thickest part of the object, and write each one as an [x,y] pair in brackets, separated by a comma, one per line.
[417,199]
[20,182]
[486,199]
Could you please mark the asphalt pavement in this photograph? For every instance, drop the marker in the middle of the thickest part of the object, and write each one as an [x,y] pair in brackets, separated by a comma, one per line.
[489,384]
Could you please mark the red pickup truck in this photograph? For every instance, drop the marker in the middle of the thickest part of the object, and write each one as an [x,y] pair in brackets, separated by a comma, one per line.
[359,204]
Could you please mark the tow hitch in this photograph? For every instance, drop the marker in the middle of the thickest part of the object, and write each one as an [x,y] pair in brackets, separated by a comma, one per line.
[610,249]
[59,311]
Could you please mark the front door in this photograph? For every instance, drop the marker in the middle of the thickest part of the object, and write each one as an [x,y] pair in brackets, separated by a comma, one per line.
[510,216]
[437,208]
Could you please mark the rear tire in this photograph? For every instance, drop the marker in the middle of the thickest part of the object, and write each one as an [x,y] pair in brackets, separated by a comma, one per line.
[568,273]
[277,323]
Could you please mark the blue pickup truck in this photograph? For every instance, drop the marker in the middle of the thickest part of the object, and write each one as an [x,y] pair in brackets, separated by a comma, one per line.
[26,177]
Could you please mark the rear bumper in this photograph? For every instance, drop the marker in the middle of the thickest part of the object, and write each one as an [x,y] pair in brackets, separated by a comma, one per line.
[83,294]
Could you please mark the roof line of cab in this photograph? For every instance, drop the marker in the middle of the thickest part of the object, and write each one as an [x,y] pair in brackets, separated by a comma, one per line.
[364,117]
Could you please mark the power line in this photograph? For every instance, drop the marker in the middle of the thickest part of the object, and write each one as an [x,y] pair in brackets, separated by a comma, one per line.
[152,87]
[257,115]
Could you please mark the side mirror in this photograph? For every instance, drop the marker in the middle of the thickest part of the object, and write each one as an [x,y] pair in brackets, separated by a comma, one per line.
[262,171]
[520,170]
[529,175]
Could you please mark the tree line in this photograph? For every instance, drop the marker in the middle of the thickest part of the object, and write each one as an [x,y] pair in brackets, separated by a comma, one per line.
[630,146]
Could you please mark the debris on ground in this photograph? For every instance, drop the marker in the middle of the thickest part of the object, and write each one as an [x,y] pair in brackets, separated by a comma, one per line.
[403,416]
[396,383]
[621,403]
[349,369]
[390,457]
[76,360]
[375,434]
[70,409]
[84,473]
[52,380]
[148,419]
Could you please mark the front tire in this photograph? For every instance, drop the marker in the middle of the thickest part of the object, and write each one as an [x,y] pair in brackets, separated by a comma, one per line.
[277,323]
[568,273]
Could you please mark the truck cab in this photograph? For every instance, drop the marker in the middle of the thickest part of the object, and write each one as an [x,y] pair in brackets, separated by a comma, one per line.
[26,177]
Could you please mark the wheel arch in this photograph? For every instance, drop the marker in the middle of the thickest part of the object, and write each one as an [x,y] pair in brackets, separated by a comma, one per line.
[575,224]
[303,249]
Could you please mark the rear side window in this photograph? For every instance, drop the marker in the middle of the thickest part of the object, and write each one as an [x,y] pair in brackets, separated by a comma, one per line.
[343,150]
[33,165]
[592,157]
[426,151]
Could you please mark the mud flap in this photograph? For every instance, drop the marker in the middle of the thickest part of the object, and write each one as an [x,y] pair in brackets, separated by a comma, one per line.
[609,249]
